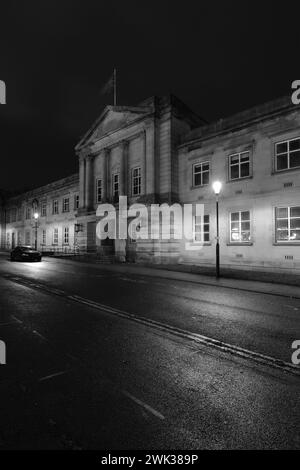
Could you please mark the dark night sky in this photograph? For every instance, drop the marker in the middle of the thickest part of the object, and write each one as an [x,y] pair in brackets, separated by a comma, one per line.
[219,57]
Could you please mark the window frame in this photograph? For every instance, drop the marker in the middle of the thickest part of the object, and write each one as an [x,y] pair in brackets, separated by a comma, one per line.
[113,185]
[133,179]
[285,242]
[285,141]
[202,232]
[99,187]
[55,205]
[239,154]
[205,162]
[250,220]
[44,208]
[55,236]
[66,231]
[66,204]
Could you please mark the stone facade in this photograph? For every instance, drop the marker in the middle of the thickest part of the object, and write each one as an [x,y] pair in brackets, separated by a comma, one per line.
[56,205]
[161,152]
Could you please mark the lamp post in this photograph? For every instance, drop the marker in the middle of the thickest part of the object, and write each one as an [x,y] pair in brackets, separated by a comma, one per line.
[217,189]
[36,216]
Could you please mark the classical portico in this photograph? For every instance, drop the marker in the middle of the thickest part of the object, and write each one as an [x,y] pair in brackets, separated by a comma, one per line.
[129,151]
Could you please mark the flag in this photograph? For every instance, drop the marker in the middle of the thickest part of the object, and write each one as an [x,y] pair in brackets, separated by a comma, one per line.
[110,86]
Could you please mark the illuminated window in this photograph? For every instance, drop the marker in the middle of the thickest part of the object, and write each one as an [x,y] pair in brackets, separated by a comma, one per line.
[66,235]
[55,236]
[136,181]
[239,165]
[240,226]
[287,220]
[201,174]
[201,229]
[287,155]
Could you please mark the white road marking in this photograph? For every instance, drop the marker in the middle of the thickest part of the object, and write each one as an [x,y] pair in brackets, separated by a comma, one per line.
[143,405]
[17,320]
[47,377]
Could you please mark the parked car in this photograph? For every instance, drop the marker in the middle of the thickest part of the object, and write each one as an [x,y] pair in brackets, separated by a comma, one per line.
[25,253]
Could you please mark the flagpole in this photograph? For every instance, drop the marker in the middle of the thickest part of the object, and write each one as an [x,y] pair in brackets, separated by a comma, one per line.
[115,87]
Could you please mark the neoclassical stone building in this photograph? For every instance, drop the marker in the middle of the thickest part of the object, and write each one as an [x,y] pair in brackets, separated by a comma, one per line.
[161,152]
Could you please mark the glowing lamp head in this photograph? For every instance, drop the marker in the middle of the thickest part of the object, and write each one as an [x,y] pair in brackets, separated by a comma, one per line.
[36,215]
[217,185]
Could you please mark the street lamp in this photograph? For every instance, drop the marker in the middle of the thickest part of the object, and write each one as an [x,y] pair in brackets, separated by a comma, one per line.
[36,216]
[217,185]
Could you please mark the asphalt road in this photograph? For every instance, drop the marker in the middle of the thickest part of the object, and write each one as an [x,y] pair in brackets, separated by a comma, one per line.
[78,378]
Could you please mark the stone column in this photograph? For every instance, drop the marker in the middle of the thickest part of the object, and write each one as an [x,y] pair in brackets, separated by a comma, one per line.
[104,176]
[108,178]
[144,163]
[81,182]
[124,169]
[89,190]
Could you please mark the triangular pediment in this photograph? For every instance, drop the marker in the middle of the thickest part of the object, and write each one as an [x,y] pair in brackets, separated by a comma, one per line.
[112,119]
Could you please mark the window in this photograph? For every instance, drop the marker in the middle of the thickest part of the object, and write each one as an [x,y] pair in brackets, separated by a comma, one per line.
[201,229]
[287,155]
[19,213]
[19,237]
[136,181]
[44,209]
[66,204]
[240,226]
[28,212]
[55,206]
[287,220]
[98,190]
[115,185]
[201,174]
[76,201]
[44,237]
[55,236]
[66,236]
[239,165]
[27,237]
[8,240]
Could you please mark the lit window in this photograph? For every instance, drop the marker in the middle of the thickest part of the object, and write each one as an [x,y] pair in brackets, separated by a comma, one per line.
[136,181]
[287,224]
[239,165]
[98,191]
[66,204]
[55,236]
[287,154]
[55,206]
[201,229]
[66,235]
[201,174]
[240,226]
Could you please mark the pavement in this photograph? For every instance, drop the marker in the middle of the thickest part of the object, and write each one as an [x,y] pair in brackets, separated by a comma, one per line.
[81,376]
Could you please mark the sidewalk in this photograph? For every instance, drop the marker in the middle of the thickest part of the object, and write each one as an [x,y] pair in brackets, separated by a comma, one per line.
[176,273]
